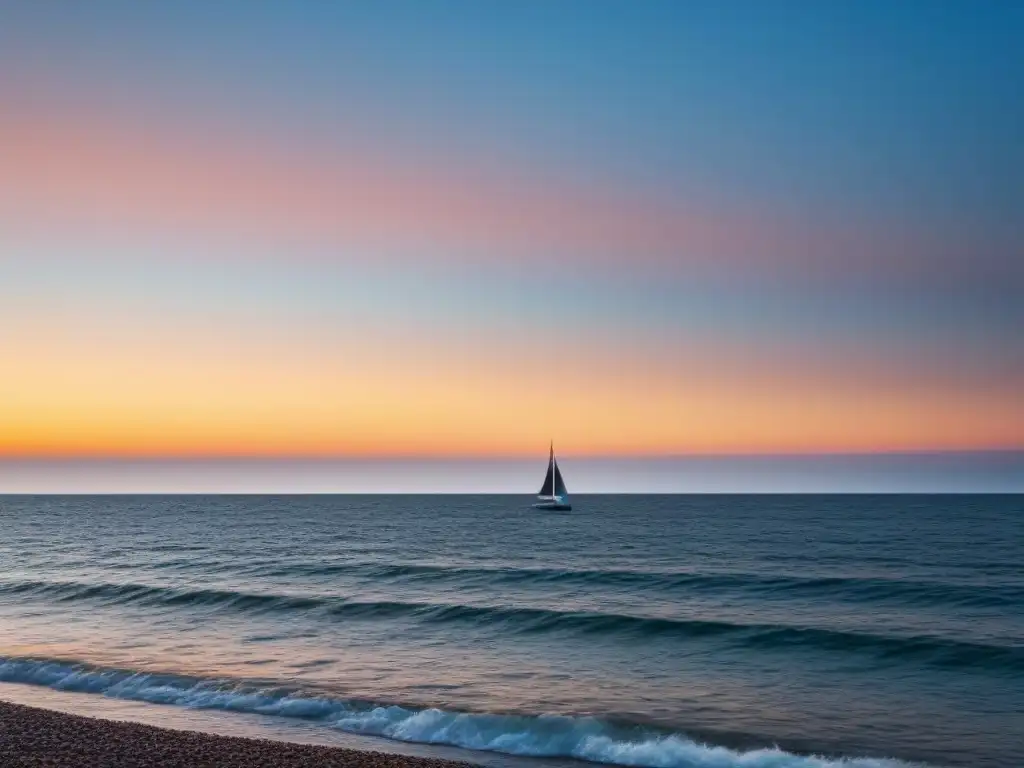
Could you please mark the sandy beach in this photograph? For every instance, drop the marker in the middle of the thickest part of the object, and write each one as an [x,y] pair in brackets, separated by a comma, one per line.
[41,737]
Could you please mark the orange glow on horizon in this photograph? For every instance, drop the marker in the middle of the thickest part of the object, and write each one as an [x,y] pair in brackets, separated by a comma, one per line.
[174,395]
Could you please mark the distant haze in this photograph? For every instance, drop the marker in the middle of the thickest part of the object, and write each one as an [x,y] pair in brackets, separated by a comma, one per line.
[992,472]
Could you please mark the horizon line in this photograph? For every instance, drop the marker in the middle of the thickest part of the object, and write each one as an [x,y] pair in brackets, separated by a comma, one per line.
[498,457]
[975,492]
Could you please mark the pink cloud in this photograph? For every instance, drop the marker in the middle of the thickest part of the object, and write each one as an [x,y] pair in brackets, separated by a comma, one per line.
[84,173]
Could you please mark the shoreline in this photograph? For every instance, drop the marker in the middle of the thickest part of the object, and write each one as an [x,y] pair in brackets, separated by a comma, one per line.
[33,736]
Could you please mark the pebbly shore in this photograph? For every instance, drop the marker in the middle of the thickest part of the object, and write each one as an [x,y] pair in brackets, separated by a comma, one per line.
[31,737]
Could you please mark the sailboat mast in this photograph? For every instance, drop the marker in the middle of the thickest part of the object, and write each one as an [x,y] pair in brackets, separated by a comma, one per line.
[551,468]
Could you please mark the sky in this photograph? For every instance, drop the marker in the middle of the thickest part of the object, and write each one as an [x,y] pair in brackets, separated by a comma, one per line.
[463,229]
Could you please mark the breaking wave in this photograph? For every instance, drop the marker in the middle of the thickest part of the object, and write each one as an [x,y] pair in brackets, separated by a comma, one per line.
[583,738]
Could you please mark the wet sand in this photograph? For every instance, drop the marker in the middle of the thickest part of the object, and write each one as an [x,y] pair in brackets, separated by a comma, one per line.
[42,737]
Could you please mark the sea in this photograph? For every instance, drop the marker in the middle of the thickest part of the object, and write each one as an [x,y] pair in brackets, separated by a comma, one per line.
[662,631]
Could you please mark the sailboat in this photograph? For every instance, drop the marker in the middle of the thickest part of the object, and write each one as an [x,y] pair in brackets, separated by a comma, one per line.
[553,494]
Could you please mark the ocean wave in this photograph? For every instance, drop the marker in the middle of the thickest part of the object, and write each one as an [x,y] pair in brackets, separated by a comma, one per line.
[851,588]
[512,620]
[544,735]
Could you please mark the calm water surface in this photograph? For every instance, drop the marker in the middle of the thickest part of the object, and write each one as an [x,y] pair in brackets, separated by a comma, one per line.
[640,630]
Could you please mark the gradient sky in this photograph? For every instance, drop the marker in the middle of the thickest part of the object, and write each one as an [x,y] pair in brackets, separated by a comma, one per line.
[443,228]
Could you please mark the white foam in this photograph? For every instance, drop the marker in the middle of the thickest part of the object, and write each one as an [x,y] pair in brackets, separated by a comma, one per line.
[584,738]
[578,737]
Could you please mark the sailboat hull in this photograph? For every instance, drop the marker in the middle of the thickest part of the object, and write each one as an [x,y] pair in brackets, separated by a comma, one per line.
[554,506]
